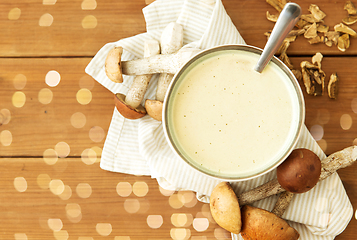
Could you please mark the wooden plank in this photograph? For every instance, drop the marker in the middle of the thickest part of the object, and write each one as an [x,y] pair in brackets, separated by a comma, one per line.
[33,203]
[52,121]
[110,21]
[78,108]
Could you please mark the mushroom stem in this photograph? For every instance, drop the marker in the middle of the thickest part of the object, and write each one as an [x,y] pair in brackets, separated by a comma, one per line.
[138,88]
[171,41]
[169,63]
[329,165]
[282,203]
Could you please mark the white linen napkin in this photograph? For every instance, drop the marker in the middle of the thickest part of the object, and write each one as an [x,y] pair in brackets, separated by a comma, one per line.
[139,147]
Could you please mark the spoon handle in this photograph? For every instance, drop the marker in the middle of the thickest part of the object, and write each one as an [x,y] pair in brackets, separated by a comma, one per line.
[286,21]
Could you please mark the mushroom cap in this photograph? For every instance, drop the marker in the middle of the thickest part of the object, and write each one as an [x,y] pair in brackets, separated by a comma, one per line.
[260,224]
[126,110]
[225,209]
[113,65]
[154,109]
[300,172]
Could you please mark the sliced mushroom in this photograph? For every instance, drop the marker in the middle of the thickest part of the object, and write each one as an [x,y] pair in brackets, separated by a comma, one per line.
[345,29]
[343,42]
[317,13]
[311,31]
[332,87]
[277,4]
[349,20]
[332,36]
[272,17]
[313,76]
[350,8]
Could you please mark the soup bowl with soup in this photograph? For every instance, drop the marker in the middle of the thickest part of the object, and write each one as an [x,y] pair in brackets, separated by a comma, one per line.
[228,121]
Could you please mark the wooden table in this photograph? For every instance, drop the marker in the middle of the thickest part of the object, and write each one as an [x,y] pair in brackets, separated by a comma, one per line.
[54,119]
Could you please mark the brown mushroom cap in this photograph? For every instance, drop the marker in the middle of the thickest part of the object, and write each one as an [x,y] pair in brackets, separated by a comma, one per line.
[260,224]
[300,172]
[126,110]
[154,109]
[225,209]
[113,65]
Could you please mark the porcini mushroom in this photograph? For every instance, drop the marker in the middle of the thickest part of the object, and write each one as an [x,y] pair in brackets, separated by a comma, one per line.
[171,41]
[113,65]
[129,105]
[260,224]
[224,207]
[329,165]
[300,171]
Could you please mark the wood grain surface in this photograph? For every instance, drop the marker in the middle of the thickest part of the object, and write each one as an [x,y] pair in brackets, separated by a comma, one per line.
[54,119]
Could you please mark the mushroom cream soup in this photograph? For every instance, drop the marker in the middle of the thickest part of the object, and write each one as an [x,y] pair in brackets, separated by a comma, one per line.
[230,120]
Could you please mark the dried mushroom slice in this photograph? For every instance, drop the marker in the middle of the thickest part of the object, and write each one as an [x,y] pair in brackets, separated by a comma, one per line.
[332,87]
[343,42]
[345,29]
[350,7]
[302,23]
[322,28]
[316,39]
[272,17]
[277,4]
[308,18]
[285,59]
[313,76]
[350,20]
[311,31]
[332,36]
[317,13]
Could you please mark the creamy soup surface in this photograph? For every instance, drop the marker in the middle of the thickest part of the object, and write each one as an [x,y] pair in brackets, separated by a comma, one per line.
[228,118]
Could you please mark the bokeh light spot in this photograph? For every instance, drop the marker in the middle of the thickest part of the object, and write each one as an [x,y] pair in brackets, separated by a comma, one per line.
[86,82]
[67,193]
[89,156]
[104,229]
[154,221]
[84,190]
[96,134]
[89,4]
[14,14]
[46,20]
[346,121]
[176,201]
[56,186]
[124,189]
[6,138]
[140,189]
[180,233]
[221,234]
[5,116]
[200,224]
[181,219]
[89,21]
[49,2]
[84,96]
[20,184]
[78,120]
[131,205]
[20,81]
[50,156]
[317,131]
[18,99]
[20,236]
[43,180]
[63,149]
[45,96]
[55,224]
[61,235]
[52,78]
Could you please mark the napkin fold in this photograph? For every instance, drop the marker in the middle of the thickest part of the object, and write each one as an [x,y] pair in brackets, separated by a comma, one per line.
[139,147]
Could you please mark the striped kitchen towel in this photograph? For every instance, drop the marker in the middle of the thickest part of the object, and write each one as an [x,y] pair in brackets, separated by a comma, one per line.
[139,147]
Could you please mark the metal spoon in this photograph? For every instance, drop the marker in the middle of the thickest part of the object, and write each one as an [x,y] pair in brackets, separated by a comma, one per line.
[286,21]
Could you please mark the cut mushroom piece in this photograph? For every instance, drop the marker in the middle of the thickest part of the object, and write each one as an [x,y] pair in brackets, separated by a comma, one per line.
[129,105]
[113,65]
[345,29]
[349,20]
[225,208]
[272,17]
[137,90]
[313,76]
[311,31]
[350,8]
[259,224]
[317,13]
[329,165]
[332,87]
[332,36]
[277,4]
[343,42]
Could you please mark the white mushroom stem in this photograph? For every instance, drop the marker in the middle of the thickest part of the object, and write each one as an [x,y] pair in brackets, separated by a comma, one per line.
[138,88]
[169,63]
[329,165]
[171,41]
